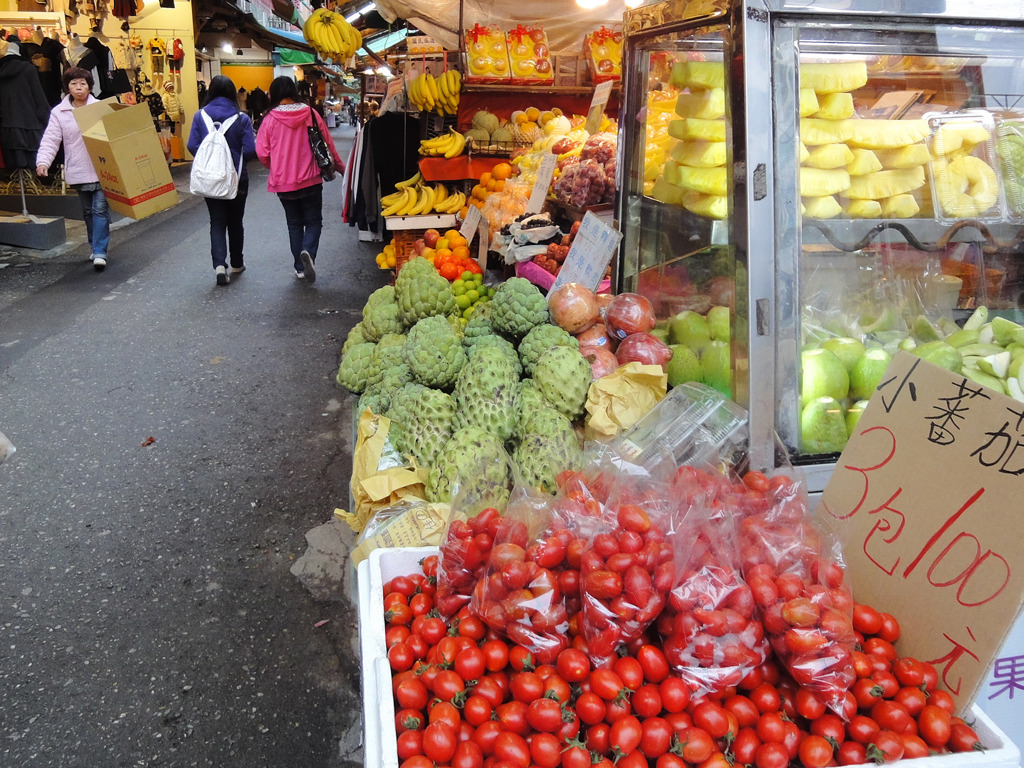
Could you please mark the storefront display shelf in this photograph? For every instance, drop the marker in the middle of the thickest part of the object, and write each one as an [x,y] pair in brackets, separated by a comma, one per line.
[431,221]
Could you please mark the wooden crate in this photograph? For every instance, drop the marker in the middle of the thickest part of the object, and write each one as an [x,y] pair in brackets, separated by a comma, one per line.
[405,245]
[569,69]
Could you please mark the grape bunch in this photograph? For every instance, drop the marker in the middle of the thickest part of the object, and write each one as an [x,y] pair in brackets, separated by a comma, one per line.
[601,147]
[585,184]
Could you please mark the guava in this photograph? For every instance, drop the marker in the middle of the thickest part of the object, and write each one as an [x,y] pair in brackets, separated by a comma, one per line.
[823,375]
[853,414]
[941,354]
[718,323]
[823,426]
[868,372]
[690,328]
[684,366]
[716,364]
[847,349]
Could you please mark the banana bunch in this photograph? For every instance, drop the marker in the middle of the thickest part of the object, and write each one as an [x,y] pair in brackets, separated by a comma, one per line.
[436,94]
[331,36]
[417,199]
[451,144]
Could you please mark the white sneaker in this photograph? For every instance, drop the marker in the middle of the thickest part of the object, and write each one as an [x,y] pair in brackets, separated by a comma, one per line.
[307,263]
[222,276]
[299,275]
[99,262]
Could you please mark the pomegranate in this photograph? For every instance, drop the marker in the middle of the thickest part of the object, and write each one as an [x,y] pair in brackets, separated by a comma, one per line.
[627,314]
[573,307]
[643,348]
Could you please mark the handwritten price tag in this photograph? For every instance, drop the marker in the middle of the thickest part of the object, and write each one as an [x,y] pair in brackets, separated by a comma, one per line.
[543,183]
[469,226]
[926,499]
[590,253]
[602,93]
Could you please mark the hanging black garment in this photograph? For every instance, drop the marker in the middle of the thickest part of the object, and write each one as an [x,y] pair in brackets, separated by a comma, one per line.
[104,66]
[23,112]
[47,65]
[394,140]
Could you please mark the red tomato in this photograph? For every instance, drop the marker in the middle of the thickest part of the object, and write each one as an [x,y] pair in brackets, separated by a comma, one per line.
[908,671]
[526,686]
[590,707]
[914,699]
[766,698]
[653,663]
[808,705]
[887,682]
[444,712]
[439,742]
[396,634]
[915,746]
[880,647]
[512,748]
[573,665]
[546,750]
[744,748]
[891,716]
[576,755]
[890,629]
[602,584]
[447,684]
[495,654]
[714,719]
[852,753]
[861,729]
[656,738]
[606,684]
[471,663]
[771,728]
[409,720]
[829,726]
[675,694]
[629,671]
[520,658]
[473,628]
[931,676]
[477,710]
[558,688]
[544,715]
[410,743]
[489,689]
[935,726]
[417,761]
[599,738]
[815,752]
[646,701]
[962,738]
[485,736]
[886,746]
[400,657]
[467,755]
[412,693]
[432,630]
[771,755]
[625,734]
[512,717]
[941,698]
[617,708]
[697,745]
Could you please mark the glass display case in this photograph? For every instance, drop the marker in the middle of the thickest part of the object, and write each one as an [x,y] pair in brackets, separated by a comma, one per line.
[809,186]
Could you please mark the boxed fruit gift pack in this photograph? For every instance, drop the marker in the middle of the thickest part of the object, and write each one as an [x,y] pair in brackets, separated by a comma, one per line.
[486,55]
[529,55]
[603,51]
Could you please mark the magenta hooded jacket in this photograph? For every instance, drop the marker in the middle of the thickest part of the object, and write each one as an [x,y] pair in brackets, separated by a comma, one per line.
[282,145]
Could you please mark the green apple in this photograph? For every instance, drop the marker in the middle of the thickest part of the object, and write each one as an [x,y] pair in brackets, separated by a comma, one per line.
[684,366]
[716,364]
[868,372]
[823,426]
[941,354]
[718,323]
[847,349]
[824,375]
[690,328]
[853,414]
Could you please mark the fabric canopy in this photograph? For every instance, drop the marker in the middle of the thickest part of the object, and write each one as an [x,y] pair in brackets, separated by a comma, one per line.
[564,21]
[290,57]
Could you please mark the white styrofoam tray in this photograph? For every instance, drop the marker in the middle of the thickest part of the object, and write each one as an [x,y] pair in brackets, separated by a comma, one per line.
[380,744]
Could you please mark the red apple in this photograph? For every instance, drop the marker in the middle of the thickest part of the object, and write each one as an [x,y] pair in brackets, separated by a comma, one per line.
[430,237]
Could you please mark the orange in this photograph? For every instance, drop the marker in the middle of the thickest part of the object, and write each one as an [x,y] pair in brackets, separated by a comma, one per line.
[492,185]
[457,240]
[499,184]
[460,252]
[464,212]
[452,235]
[485,177]
[502,171]
[443,256]
[478,191]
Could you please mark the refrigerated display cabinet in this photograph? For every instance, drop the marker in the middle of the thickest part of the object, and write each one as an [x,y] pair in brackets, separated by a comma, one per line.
[834,175]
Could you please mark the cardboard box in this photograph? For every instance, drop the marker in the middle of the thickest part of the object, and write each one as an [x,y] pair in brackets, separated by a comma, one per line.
[126,152]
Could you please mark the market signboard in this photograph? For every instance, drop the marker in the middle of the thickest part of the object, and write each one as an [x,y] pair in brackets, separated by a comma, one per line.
[926,498]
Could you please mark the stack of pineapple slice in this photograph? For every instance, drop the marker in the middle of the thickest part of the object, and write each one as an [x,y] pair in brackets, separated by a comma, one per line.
[962,168]
[858,168]
[694,175]
[661,110]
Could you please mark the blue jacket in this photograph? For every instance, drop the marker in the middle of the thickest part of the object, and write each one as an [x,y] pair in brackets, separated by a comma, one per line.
[240,135]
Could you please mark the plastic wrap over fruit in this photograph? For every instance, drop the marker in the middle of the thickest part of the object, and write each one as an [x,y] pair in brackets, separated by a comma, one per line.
[629,313]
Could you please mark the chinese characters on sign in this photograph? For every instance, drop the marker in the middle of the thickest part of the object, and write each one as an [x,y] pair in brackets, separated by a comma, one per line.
[589,255]
[925,498]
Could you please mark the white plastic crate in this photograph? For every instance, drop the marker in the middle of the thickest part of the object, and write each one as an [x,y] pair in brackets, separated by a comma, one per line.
[380,745]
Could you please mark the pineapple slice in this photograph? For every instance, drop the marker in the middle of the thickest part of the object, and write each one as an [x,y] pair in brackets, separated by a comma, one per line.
[829,156]
[815,182]
[834,78]
[835,106]
[804,152]
[885,134]
[690,128]
[814,131]
[670,172]
[665,192]
[808,102]
[900,207]
[874,186]
[965,187]
[958,136]
[706,105]
[707,181]
[862,209]
[711,206]
[826,207]
[700,154]
[705,74]
[864,161]
[648,188]
[909,156]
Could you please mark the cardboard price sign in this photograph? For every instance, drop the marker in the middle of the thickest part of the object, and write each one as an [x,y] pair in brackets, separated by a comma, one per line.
[539,193]
[595,115]
[926,497]
[589,255]
[469,226]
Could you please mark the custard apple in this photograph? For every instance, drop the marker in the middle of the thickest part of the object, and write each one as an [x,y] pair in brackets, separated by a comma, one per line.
[386,295]
[539,340]
[421,420]
[355,367]
[549,446]
[388,362]
[485,393]
[528,400]
[380,318]
[517,306]
[355,336]
[563,376]
[495,341]
[377,402]
[421,292]
[472,470]
[434,352]
[479,323]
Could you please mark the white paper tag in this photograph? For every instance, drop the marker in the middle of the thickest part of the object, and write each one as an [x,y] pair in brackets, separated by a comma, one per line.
[602,93]
[470,224]
[543,183]
[589,255]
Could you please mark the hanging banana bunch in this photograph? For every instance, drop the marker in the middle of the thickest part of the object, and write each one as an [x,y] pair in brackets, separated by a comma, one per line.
[333,38]
[412,197]
[436,94]
[451,144]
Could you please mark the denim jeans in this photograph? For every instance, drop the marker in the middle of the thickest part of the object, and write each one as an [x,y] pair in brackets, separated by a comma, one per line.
[303,210]
[96,213]
[226,226]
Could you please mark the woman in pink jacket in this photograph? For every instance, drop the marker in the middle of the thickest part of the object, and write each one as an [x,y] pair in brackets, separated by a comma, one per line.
[78,168]
[283,146]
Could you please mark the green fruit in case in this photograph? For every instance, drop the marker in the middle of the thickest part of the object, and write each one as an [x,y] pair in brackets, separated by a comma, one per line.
[853,414]
[683,367]
[823,426]
[690,328]
[941,354]
[718,323]
[822,375]
[868,372]
[847,349]
[716,367]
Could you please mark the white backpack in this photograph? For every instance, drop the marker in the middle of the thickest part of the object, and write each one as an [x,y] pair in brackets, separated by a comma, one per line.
[213,170]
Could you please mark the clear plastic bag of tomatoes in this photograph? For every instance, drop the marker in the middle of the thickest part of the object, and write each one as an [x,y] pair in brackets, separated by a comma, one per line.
[795,572]
[627,567]
[530,587]
[711,633]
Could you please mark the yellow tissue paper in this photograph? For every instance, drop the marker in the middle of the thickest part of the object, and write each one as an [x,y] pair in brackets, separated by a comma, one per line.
[619,400]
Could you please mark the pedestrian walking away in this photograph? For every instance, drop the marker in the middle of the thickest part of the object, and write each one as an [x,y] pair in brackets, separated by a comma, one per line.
[79,172]
[282,145]
[227,231]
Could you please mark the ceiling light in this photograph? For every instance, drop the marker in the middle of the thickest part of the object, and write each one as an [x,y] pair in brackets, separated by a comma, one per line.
[385,72]
[227,48]
[356,14]
[368,71]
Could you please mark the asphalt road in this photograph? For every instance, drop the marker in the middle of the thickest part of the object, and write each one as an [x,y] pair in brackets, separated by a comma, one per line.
[175,441]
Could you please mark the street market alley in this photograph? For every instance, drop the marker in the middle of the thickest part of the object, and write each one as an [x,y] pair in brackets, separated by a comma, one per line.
[175,442]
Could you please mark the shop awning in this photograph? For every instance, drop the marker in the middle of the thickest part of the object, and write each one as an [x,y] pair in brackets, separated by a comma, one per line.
[259,29]
[295,58]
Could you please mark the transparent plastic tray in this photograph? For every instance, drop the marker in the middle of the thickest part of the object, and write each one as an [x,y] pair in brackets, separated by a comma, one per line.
[962,169]
[693,425]
[1010,151]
